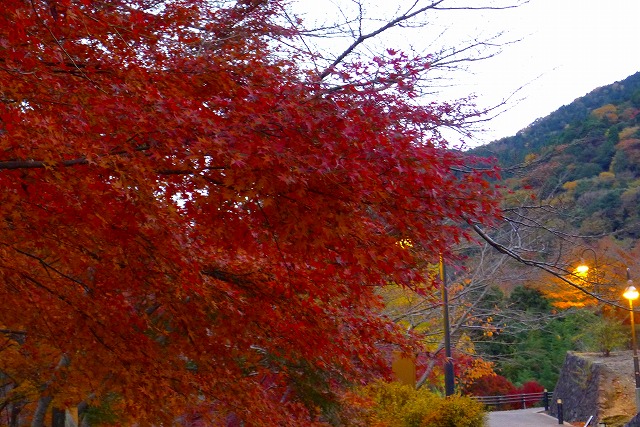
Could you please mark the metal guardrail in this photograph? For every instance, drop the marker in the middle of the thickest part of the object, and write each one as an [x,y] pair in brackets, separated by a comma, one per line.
[521,399]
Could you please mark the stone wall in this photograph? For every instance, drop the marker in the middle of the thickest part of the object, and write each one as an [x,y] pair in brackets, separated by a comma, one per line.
[591,384]
[578,387]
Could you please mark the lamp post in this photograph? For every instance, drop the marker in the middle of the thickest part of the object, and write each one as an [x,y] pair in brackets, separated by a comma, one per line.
[448,363]
[631,293]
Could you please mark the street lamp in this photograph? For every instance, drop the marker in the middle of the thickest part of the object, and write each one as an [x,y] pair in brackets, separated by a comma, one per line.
[582,270]
[631,293]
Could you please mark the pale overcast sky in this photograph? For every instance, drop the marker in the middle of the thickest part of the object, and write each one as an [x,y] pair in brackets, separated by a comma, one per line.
[568,48]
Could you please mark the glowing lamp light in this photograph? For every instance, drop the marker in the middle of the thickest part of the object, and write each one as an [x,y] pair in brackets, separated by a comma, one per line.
[582,270]
[631,293]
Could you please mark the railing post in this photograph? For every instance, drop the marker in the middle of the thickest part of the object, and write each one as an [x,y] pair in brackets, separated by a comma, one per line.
[560,413]
[545,400]
[524,402]
[57,417]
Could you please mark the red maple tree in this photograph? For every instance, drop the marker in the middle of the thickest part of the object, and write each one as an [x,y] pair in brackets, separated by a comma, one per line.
[195,224]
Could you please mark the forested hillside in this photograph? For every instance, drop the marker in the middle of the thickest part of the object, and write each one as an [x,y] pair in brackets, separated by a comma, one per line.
[585,155]
[572,190]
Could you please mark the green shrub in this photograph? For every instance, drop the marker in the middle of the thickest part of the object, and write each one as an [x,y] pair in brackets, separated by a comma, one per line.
[455,411]
[607,335]
[397,405]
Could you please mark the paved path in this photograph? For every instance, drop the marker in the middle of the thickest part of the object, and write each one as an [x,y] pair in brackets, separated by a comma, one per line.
[534,417]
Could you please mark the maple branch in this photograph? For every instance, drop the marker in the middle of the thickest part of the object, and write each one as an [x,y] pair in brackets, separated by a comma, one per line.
[452,57]
[521,3]
[48,266]
[82,160]
[378,84]
[190,171]
[288,266]
[224,276]
[12,332]
[64,51]
[80,312]
[363,37]
[409,14]
[552,269]
[39,164]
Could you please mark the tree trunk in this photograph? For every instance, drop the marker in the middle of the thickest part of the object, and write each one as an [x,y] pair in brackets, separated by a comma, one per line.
[45,401]
[41,411]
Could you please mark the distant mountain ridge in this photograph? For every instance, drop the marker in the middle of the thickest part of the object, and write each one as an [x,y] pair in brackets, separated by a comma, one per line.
[586,155]
[552,129]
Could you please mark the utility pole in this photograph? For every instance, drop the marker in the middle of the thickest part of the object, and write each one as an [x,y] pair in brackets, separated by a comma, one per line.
[448,363]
